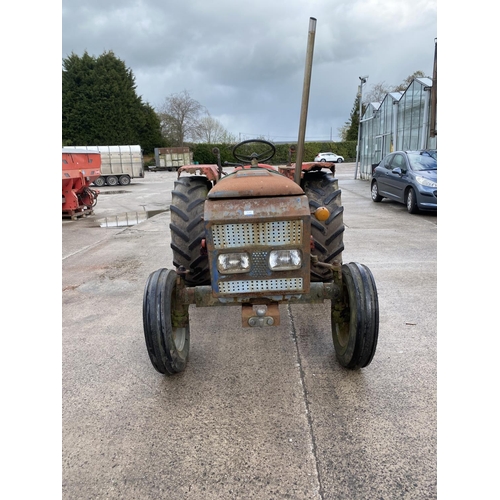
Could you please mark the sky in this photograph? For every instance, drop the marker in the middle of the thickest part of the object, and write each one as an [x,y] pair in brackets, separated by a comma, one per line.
[245,61]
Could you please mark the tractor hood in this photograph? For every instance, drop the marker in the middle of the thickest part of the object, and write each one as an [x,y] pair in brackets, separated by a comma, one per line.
[254,182]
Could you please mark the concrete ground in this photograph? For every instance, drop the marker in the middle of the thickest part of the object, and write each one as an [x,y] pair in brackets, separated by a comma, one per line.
[258,413]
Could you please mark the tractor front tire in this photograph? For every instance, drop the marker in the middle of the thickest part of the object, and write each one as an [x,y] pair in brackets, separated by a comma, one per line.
[166,323]
[187,228]
[355,318]
[322,190]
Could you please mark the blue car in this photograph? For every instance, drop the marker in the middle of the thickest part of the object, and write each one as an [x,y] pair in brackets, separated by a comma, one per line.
[408,177]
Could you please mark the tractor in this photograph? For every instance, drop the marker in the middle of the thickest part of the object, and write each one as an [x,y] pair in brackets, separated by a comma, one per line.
[257,237]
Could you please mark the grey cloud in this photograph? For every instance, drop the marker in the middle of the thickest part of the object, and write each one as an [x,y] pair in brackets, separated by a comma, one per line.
[244,61]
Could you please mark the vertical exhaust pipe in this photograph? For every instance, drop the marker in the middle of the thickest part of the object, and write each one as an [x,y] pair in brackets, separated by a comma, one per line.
[305,100]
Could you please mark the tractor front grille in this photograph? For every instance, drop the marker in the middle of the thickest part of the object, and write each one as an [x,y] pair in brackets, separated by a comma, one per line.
[252,286]
[256,227]
[241,235]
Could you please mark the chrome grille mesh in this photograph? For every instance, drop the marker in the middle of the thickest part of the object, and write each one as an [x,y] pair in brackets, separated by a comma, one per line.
[257,233]
[248,286]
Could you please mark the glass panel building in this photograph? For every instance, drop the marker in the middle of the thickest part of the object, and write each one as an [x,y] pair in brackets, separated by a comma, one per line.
[399,122]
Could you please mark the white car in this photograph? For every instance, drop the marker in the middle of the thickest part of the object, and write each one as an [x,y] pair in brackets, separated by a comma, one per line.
[329,157]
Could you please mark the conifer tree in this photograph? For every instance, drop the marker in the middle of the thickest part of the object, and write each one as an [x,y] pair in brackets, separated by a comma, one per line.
[100,105]
[352,131]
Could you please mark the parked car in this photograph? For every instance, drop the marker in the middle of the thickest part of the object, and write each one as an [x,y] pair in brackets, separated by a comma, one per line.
[329,157]
[409,177]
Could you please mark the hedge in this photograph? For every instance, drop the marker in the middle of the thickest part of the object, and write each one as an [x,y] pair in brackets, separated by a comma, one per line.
[202,153]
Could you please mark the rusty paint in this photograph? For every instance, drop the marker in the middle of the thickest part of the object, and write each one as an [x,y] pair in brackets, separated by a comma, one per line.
[210,171]
[230,211]
[255,182]
[257,226]
[260,165]
[179,309]
[201,296]
[260,315]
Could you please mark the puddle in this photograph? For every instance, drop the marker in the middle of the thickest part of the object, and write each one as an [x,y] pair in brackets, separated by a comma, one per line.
[128,218]
[113,192]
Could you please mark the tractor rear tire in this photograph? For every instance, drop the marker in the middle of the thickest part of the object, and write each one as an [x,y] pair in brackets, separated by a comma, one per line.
[187,228]
[167,344]
[355,318]
[322,190]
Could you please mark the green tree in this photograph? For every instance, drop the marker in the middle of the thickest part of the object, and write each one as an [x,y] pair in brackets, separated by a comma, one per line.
[150,130]
[352,130]
[100,105]
[343,131]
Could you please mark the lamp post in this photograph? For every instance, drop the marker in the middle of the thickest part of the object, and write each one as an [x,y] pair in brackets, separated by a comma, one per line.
[363,81]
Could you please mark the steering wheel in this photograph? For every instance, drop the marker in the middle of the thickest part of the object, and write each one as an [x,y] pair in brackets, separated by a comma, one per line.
[263,156]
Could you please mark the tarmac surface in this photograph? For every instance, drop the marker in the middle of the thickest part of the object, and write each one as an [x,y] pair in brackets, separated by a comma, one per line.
[258,413]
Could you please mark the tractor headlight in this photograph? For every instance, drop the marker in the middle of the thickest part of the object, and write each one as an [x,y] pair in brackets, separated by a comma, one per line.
[230,263]
[284,260]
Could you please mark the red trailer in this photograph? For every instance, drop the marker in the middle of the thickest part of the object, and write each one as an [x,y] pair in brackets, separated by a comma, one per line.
[79,169]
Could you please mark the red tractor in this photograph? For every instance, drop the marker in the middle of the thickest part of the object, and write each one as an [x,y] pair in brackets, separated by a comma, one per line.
[255,238]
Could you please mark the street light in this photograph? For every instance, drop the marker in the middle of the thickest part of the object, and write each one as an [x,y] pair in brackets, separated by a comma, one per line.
[363,81]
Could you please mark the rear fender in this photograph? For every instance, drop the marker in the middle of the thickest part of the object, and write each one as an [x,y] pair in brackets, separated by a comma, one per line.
[289,170]
[211,172]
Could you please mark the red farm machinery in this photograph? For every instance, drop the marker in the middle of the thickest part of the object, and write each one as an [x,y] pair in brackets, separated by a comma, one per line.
[79,169]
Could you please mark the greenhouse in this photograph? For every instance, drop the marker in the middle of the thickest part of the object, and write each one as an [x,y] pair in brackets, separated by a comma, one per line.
[402,121]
